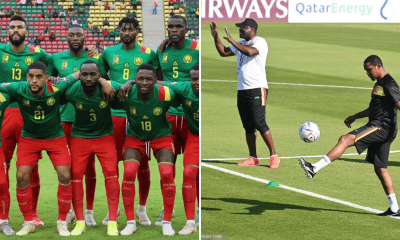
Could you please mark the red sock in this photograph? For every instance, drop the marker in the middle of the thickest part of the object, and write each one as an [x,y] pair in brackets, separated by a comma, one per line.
[168,189]
[112,191]
[7,175]
[198,189]
[77,198]
[189,191]
[24,198]
[35,185]
[128,188]
[90,182]
[64,196]
[4,201]
[144,181]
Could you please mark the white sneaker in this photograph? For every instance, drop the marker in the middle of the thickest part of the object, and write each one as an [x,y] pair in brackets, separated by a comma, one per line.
[188,228]
[143,218]
[89,219]
[70,216]
[6,229]
[27,227]
[129,229]
[105,220]
[62,228]
[167,229]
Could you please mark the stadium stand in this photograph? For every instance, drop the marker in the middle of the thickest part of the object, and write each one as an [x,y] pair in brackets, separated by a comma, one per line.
[188,9]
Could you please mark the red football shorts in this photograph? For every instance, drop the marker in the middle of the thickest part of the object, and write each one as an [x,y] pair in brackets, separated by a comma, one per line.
[144,146]
[67,126]
[119,134]
[191,154]
[11,131]
[29,149]
[180,131]
[3,179]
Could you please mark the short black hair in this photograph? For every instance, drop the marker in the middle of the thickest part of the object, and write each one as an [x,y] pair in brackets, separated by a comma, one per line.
[17,18]
[147,67]
[195,68]
[38,65]
[90,62]
[129,20]
[75,26]
[374,60]
[179,17]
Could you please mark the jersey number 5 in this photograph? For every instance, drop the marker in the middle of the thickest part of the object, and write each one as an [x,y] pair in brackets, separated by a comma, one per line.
[176,73]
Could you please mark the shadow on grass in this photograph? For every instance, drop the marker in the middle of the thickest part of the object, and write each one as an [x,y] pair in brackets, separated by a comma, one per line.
[259,207]
[230,163]
[390,163]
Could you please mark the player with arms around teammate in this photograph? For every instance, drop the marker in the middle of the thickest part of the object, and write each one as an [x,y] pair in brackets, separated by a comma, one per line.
[15,60]
[376,136]
[63,64]
[252,86]
[92,129]
[148,128]
[176,56]
[122,61]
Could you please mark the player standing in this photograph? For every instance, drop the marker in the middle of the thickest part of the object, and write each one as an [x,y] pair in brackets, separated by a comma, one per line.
[93,129]
[252,88]
[63,64]
[174,63]
[376,136]
[122,61]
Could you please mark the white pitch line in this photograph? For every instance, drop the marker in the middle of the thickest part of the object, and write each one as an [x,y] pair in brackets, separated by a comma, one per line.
[312,156]
[353,205]
[294,84]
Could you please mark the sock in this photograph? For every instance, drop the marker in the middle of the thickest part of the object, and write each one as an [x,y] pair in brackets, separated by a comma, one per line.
[7,175]
[141,208]
[77,199]
[24,197]
[128,188]
[89,211]
[90,182]
[393,202]
[190,222]
[144,181]
[189,191]
[168,189]
[112,191]
[35,185]
[325,161]
[4,201]
[64,197]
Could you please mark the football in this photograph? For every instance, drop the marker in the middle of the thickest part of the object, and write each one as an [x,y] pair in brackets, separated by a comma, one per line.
[309,132]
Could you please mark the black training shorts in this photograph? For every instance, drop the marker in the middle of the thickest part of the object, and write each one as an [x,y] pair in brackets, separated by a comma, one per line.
[251,106]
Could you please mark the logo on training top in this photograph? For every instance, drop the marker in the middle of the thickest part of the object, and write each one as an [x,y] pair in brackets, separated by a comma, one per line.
[103,104]
[157,111]
[51,101]
[138,61]
[378,90]
[28,61]
[187,59]
[165,58]
[79,106]
[5,58]
[132,110]
[76,69]
[115,60]
[188,102]
[64,65]
[16,64]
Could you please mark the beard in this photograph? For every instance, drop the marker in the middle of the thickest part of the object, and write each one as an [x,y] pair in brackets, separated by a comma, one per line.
[16,42]
[36,91]
[89,89]
[75,49]
[128,42]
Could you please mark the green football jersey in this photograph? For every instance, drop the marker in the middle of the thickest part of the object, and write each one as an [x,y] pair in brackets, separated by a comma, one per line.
[14,66]
[147,120]
[63,64]
[93,114]
[123,64]
[41,115]
[190,103]
[176,64]
[5,100]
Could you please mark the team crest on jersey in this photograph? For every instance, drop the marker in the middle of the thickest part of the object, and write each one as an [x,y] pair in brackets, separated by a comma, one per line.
[187,59]
[5,84]
[138,61]
[157,111]
[115,60]
[378,90]
[64,65]
[28,60]
[79,106]
[5,58]
[188,102]
[103,104]
[51,101]
[132,110]
[26,102]
[165,58]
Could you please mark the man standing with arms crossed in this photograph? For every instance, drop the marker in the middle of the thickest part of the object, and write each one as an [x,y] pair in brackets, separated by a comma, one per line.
[252,86]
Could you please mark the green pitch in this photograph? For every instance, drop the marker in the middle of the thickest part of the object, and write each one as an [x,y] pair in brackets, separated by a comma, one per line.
[307,55]
[48,209]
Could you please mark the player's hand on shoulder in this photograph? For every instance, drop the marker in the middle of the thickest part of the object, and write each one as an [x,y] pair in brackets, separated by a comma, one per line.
[54,80]
[107,91]
[349,120]
[125,90]
[165,43]
[91,51]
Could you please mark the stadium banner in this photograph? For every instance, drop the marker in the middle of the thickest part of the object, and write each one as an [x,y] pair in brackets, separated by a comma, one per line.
[344,11]
[238,10]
